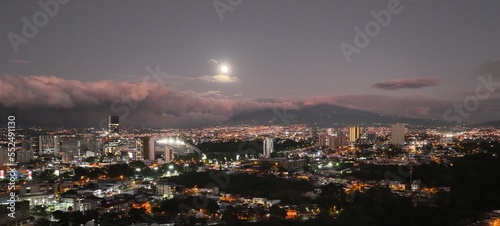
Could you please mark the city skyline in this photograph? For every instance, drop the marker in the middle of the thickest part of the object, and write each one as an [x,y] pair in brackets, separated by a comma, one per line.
[176,63]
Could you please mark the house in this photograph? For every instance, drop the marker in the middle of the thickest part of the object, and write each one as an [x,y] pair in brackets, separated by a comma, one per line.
[415,186]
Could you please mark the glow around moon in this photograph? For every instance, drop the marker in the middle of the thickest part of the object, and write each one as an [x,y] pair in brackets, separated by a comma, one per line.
[224,69]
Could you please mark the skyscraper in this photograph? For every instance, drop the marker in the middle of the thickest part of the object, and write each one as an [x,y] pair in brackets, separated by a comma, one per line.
[146,148]
[322,140]
[24,156]
[332,141]
[341,140]
[113,133]
[49,144]
[57,145]
[354,133]
[169,154]
[268,146]
[113,123]
[398,134]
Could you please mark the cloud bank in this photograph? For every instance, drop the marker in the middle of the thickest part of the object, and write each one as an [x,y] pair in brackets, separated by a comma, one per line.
[52,100]
[409,83]
[141,103]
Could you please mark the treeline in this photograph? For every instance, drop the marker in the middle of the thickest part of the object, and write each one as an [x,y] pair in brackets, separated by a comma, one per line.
[249,185]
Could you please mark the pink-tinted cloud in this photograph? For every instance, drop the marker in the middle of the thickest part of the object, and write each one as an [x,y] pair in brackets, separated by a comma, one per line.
[408,83]
[51,99]
[219,79]
[140,102]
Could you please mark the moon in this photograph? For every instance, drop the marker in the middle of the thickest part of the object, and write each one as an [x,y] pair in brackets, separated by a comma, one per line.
[224,69]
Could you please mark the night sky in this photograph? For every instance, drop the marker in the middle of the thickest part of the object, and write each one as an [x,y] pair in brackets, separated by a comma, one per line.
[154,62]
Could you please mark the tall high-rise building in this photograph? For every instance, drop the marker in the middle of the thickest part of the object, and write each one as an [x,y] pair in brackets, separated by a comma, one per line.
[307,132]
[24,156]
[168,155]
[354,133]
[49,144]
[113,123]
[57,145]
[398,133]
[70,145]
[341,140]
[268,147]
[322,140]
[146,148]
[113,139]
[332,141]
[90,142]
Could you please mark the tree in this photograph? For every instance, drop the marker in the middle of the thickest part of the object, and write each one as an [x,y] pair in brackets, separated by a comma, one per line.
[137,164]
[277,213]
[108,218]
[212,206]
[170,206]
[91,215]
[95,173]
[230,216]
[77,217]
[80,172]
[117,170]
[42,222]
[60,215]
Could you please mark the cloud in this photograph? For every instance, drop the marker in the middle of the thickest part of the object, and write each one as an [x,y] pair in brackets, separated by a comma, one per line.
[57,101]
[214,93]
[409,83]
[19,62]
[213,61]
[220,79]
[46,98]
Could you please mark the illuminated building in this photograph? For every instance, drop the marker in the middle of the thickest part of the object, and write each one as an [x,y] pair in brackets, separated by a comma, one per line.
[168,155]
[322,140]
[331,141]
[113,123]
[113,139]
[268,147]
[354,133]
[145,148]
[49,144]
[24,156]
